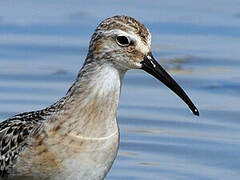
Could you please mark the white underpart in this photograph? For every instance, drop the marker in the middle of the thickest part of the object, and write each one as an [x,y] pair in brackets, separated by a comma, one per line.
[107,83]
[95,159]
[107,79]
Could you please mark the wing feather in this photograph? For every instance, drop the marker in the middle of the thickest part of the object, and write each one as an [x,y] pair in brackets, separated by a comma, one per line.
[14,134]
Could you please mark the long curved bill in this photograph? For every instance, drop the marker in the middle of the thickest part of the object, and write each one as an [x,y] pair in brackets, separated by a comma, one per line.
[150,65]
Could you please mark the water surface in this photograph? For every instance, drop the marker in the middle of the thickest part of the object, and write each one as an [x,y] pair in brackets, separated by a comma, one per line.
[43,45]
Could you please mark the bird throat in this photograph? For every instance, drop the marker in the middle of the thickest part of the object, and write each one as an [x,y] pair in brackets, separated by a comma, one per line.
[91,104]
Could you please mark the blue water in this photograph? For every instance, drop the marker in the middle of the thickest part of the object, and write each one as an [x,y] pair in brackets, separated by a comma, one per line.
[43,45]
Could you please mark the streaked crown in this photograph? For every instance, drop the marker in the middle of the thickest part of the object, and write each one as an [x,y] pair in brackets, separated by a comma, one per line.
[122,40]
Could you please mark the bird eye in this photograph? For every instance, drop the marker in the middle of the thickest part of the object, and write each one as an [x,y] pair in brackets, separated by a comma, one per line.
[123,41]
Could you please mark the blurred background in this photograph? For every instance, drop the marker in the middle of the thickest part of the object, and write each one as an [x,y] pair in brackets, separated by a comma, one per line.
[44,43]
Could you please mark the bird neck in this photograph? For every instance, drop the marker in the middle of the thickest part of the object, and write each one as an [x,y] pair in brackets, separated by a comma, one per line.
[90,108]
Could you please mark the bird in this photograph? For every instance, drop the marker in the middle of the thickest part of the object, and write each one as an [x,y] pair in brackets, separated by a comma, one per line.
[77,137]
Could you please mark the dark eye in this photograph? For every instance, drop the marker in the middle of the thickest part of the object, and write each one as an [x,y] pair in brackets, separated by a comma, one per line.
[123,41]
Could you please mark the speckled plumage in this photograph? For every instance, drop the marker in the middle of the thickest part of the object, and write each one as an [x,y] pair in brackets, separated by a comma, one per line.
[24,135]
[14,134]
[78,136]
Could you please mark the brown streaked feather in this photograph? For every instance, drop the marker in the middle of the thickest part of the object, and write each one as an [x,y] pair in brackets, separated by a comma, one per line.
[14,135]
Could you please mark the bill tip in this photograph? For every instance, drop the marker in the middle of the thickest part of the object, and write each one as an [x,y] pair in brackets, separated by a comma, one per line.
[196,112]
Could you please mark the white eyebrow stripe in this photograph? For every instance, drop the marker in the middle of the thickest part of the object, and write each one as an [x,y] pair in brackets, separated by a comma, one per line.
[140,45]
[115,31]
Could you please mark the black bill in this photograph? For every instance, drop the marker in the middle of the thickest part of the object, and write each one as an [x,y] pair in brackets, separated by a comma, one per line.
[150,65]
